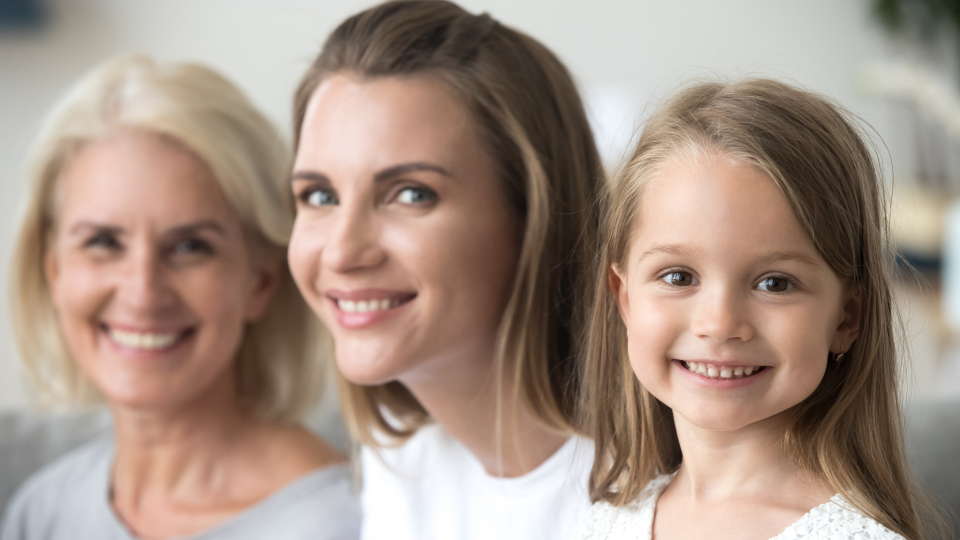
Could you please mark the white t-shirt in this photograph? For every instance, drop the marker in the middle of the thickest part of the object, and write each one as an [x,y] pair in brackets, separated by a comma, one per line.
[433,488]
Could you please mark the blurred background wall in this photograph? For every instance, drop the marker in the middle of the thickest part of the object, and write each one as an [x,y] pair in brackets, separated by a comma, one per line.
[624,54]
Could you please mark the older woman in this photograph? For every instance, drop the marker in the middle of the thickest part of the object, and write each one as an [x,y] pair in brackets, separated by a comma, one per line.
[150,274]
[445,178]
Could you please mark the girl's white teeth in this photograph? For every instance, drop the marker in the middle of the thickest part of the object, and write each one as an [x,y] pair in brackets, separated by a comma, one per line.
[142,340]
[716,372]
[365,306]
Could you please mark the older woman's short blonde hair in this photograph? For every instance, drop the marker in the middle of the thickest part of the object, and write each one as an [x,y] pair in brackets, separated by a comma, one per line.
[279,368]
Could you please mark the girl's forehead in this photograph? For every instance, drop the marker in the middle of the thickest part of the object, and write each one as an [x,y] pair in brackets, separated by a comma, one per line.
[718,206]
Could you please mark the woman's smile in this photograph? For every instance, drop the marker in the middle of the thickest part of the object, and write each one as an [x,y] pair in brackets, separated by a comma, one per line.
[155,342]
[362,308]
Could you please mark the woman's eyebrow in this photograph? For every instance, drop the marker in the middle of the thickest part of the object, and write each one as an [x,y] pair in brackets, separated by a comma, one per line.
[93,225]
[309,175]
[405,168]
[189,228]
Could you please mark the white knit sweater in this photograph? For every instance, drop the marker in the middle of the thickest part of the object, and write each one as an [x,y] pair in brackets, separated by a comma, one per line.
[833,520]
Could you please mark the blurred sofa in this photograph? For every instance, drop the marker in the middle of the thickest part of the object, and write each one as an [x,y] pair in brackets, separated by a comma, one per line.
[29,440]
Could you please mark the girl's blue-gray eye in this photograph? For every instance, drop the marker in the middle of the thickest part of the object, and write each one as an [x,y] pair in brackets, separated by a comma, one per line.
[415,196]
[679,279]
[775,284]
[321,198]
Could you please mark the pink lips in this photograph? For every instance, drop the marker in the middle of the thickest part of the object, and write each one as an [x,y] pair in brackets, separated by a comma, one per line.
[362,308]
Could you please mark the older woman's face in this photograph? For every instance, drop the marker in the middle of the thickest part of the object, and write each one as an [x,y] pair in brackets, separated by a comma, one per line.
[404,243]
[150,272]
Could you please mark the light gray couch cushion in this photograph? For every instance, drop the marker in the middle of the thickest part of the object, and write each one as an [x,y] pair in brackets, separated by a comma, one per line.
[28,441]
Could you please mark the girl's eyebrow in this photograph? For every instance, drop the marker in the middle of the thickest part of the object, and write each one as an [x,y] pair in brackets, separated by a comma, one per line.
[779,256]
[677,250]
[682,250]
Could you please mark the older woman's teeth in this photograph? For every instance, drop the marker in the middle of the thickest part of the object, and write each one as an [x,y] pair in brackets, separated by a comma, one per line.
[366,306]
[720,372]
[142,340]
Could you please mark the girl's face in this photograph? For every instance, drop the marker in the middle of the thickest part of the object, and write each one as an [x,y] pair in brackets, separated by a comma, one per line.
[150,272]
[404,243]
[729,309]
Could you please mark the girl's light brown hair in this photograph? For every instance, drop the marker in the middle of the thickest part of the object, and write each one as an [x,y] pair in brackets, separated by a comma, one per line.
[280,364]
[849,430]
[531,120]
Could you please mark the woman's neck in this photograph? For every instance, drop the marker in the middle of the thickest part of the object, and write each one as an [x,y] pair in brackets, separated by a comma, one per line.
[177,451]
[180,471]
[461,394]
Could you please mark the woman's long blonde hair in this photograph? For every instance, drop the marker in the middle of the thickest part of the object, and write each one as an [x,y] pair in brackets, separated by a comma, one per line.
[280,365]
[849,430]
[533,124]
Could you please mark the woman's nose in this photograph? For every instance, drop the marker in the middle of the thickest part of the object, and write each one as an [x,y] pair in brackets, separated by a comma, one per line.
[143,285]
[722,315]
[353,240]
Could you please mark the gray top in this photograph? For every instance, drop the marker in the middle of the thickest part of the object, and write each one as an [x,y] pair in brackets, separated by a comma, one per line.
[69,500]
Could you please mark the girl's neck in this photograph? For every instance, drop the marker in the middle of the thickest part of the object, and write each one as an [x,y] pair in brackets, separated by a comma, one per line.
[750,460]
[461,395]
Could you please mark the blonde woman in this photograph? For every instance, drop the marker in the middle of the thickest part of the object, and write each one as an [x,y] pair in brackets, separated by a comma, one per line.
[150,275]
[445,175]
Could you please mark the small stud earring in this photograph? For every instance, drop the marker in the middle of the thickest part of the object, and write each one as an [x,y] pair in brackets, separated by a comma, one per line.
[842,352]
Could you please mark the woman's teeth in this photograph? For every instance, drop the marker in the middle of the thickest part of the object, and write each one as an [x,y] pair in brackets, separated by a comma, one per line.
[143,340]
[721,372]
[366,306]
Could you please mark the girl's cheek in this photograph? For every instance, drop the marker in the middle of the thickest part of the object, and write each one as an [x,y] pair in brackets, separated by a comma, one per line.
[654,328]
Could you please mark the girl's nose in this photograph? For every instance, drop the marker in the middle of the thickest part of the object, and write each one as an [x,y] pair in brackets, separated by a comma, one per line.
[721,315]
[352,241]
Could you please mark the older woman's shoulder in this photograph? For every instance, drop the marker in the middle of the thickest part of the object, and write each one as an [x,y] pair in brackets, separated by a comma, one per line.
[64,491]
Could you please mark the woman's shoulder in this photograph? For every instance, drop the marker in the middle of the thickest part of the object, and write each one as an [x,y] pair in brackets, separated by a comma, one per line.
[321,505]
[837,519]
[634,520]
[73,484]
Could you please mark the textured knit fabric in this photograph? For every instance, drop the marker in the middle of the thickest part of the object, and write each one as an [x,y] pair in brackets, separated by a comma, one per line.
[69,500]
[433,488]
[833,520]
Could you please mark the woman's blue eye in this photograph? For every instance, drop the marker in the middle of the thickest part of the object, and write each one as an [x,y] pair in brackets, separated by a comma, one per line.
[192,245]
[679,279]
[102,241]
[415,196]
[775,284]
[321,198]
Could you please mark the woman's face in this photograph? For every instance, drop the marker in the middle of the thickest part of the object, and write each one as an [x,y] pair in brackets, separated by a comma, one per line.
[404,243]
[150,272]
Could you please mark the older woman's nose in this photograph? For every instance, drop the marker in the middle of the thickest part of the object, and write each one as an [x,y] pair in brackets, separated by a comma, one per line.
[143,283]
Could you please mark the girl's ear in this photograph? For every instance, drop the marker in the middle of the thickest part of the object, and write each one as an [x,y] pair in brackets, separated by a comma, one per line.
[618,286]
[849,326]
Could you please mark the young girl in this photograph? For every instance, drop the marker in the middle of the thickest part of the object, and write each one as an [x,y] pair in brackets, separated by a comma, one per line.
[745,260]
